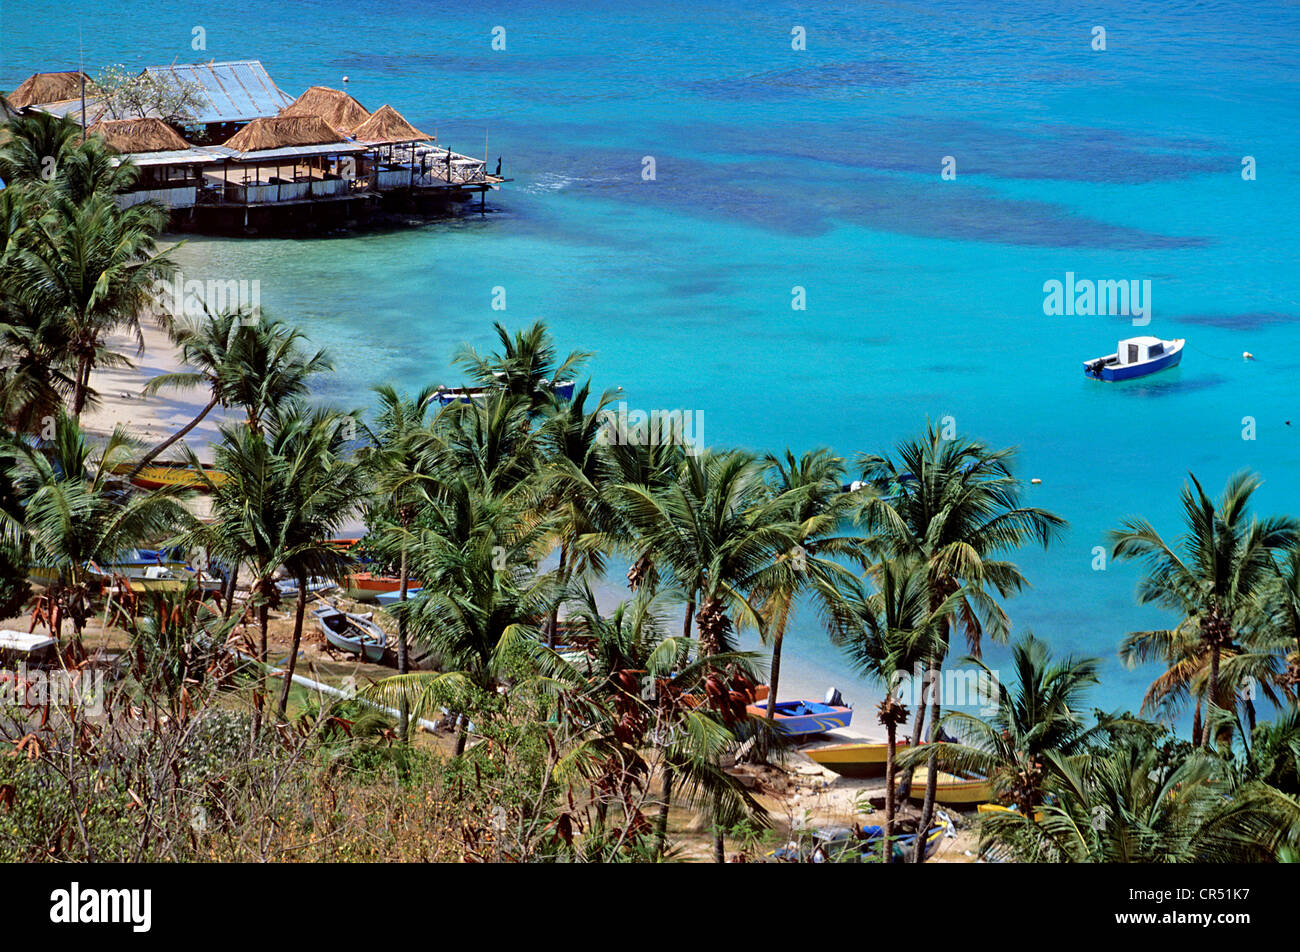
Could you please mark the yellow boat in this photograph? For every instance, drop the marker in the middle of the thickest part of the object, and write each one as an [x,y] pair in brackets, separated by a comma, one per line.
[990,808]
[855,760]
[951,789]
[158,475]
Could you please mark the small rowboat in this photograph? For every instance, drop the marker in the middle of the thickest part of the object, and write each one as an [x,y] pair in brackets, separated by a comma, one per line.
[855,760]
[1136,357]
[356,634]
[803,717]
[160,474]
[951,789]
[840,843]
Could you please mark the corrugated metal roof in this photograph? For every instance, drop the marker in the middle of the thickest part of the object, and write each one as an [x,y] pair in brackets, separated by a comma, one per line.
[236,91]
[288,152]
[195,156]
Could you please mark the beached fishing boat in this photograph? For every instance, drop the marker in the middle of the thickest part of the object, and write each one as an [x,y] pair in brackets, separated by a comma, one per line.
[25,646]
[951,789]
[839,843]
[352,633]
[159,474]
[855,760]
[392,598]
[288,587]
[367,587]
[1136,357]
[802,717]
[157,578]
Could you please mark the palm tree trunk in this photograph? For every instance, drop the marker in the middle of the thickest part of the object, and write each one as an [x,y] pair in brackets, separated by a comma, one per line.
[150,456]
[932,773]
[1213,688]
[661,822]
[80,385]
[259,694]
[297,639]
[719,844]
[905,788]
[461,734]
[230,589]
[403,659]
[773,682]
[1196,724]
[555,609]
[690,613]
[887,851]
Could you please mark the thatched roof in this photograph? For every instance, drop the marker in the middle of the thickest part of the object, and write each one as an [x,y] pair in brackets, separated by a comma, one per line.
[278,132]
[139,135]
[387,126]
[49,87]
[334,106]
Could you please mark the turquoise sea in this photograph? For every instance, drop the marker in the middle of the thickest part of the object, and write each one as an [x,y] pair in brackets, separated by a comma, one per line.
[820,169]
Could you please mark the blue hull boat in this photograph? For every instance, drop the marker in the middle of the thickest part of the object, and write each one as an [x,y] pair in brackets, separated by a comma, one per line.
[1135,357]
[392,598]
[798,718]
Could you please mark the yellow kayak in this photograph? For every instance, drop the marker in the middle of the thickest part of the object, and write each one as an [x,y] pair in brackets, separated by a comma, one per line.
[951,789]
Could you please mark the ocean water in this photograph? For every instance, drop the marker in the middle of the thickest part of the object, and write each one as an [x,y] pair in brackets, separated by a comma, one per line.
[819,169]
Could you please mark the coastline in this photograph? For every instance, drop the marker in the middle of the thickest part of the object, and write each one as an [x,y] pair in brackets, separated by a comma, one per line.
[150,420]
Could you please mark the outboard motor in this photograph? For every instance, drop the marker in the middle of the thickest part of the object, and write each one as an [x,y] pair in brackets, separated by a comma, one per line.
[834,698]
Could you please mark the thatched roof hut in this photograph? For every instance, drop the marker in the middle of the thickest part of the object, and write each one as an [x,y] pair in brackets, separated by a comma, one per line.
[387,127]
[41,88]
[278,132]
[336,107]
[139,135]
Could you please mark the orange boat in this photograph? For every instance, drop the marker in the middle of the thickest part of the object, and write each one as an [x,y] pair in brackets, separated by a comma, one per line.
[366,586]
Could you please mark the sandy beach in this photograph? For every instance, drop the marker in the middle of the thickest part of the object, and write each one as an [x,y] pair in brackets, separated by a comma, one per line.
[150,419]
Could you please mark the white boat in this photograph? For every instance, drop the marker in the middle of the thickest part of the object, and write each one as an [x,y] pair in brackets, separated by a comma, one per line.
[1136,357]
[25,645]
[356,634]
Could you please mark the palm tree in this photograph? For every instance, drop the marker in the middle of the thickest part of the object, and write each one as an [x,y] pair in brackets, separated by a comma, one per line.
[887,634]
[1136,802]
[36,145]
[1216,579]
[714,530]
[242,360]
[526,366]
[636,691]
[76,515]
[574,475]
[92,267]
[1030,729]
[481,597]
[397,462]
[286,491]
[812,487]
[953,505]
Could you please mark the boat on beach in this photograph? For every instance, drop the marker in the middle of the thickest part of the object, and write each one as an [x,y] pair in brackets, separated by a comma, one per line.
[951,789]
[158,475]
[857,759]
[1136,357]
[392,598]
[802,717]
[367,587]
[356,634]
[838,843]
